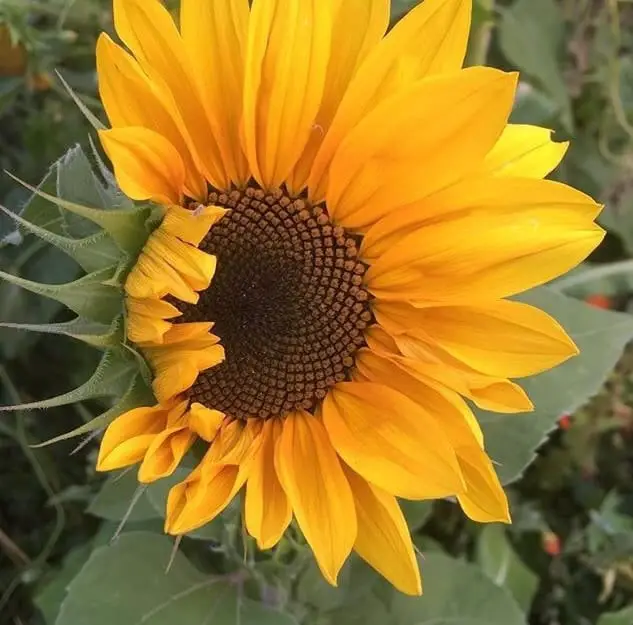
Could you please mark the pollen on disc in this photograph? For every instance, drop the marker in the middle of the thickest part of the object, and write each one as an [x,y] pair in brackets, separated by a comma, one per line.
[288,303]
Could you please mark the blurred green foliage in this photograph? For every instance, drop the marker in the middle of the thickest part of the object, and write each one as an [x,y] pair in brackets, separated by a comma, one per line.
[566,560]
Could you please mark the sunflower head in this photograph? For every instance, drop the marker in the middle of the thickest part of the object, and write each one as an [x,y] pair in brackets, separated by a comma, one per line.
[345,217]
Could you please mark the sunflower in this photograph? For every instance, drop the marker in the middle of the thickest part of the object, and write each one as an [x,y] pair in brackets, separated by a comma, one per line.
[345,213]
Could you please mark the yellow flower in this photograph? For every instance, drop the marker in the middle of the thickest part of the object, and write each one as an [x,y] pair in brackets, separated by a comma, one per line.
[347,210]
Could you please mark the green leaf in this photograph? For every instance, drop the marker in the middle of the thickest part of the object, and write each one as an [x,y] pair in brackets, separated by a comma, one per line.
[416,513]
[90,296]
[511,440]
[95,334]
[531,34]
[368,611]
[91,253]
[126,584]
[456,593]
[51,592]
[608,279]
[110,379]
[533,107]
[501,564]
[400,7]
[623,617]
[313,590]
[114,499]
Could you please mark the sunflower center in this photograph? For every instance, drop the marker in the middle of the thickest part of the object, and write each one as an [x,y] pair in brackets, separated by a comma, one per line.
[288,303]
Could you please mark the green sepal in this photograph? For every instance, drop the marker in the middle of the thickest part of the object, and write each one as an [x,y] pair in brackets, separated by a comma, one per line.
[98,335]
[138,394]
[94,121]
[91,296]
[91,253]
[110,379]
[128,227]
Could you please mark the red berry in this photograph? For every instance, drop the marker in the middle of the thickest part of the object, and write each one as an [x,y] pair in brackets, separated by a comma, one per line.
[551,543]
[564,423]
[599,301]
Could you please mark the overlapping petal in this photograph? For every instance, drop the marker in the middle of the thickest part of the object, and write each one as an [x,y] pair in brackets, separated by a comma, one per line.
[214,36]
[395,64]
[490,194]
[128,438]
[383,538]
[500,338]
[287,56]
[391,441]
[267,509]
[514,250]
[444,125]
[313,479]
[350,47]
[130,99]
[146,164]
[148,30]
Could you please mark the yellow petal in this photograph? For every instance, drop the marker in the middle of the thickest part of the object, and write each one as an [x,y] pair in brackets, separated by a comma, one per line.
[204,421]
[215,493]
[505,339]
[145,319]
[129,436]
[152,276]
[495,195]
[394,64]
[214,36]
[484,500]
[391,441]
[426,360]
[383,539]
[174,378]
[146,165]
[186,332]
[498,395]
[286,62]
[212,485]
[267,511]
[423,360]
[141,329]
[130,99]
[147,29]
[502,338]
[155,308]
[177,369]
[444,126]
[512,252]
[359,26]
[525,151]
[319,493]
[449,410]
[237,442]
[191,226]
[165,454]
[195,266]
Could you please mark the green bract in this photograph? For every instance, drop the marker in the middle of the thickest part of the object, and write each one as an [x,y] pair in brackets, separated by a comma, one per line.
[90,221]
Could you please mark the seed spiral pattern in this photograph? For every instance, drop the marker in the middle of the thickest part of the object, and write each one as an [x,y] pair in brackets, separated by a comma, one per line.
[288,303]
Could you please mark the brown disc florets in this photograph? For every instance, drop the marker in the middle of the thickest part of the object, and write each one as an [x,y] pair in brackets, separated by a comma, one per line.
[288,303]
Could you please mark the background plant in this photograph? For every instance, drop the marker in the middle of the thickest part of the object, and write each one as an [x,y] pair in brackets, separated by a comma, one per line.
[567,557]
